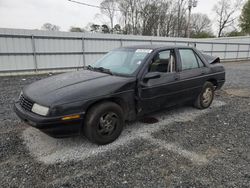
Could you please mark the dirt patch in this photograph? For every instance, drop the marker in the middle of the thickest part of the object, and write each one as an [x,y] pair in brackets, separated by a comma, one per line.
[239,92]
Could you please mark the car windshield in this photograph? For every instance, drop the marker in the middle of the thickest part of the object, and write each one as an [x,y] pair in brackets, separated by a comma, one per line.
[124,61]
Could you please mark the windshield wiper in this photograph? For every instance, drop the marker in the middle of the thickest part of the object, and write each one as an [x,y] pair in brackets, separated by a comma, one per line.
[89,67]
[104,70]
[99,69]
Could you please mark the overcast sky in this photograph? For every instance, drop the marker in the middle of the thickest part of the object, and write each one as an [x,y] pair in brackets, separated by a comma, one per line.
[32,14]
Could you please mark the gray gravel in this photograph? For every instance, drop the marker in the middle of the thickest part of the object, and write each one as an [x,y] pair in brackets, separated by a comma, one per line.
[158,158]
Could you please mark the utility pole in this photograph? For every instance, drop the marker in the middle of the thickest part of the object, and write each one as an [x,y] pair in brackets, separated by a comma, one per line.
[178,17]
[191,4]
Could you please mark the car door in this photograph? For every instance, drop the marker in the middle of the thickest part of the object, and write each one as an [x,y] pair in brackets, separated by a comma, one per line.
[159,90]
[192,75]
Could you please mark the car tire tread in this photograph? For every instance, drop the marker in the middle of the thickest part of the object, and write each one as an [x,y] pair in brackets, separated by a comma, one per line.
[92,119]
[198,102]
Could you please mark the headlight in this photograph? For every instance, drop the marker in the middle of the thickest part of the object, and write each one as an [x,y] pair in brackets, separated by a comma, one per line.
[41,110]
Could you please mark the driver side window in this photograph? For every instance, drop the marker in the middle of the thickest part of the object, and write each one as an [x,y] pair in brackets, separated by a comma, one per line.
[163,61]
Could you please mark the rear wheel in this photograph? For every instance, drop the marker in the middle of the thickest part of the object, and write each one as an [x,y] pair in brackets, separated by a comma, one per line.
[104,123]
[205,98]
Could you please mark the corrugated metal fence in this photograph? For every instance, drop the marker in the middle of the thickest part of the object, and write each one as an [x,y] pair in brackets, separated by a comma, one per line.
[23,51]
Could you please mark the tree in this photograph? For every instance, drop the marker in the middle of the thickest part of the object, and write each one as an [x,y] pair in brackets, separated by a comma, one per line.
[200,23]
[181,17]
[245,18]
[76,29]
[108,8]
[169,20]
[105,29]
[123,6]
[155,18]
[226,12]
[50,27]
[117,29]
[131,15]
[95,28]
[127,29]
[150,18]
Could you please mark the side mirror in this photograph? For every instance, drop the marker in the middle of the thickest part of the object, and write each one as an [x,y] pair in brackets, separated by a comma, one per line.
[151,75]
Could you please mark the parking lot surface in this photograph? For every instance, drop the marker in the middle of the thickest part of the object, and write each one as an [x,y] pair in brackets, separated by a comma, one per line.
[185,148]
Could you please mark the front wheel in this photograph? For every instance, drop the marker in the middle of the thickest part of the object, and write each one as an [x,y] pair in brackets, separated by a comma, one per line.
[205,98]
[103,123]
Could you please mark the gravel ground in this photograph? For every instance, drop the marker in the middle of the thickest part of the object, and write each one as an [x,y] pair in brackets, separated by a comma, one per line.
[186,148]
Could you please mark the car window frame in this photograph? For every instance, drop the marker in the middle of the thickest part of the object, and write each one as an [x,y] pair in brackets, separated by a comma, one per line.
[144,67]
[195,55]
[159,51]
[198,57]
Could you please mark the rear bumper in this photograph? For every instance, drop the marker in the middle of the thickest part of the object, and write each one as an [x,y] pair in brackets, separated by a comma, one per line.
[52,126]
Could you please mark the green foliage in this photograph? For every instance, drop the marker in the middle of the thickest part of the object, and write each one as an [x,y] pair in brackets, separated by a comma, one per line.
[150,20]
[50,27]
[76,29]
[203,35]
[95,28]
[105,29]
[117,29]
[235,34]
[245,18]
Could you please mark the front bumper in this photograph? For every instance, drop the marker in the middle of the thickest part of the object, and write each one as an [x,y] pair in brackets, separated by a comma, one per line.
[52,126]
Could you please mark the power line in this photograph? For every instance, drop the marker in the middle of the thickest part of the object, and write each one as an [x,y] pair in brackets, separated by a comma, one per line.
[90,5]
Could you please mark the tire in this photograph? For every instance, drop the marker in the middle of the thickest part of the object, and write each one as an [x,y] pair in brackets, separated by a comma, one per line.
[104,123]
[205,98]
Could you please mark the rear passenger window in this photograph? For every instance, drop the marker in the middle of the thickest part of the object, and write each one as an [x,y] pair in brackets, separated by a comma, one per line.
[188,59]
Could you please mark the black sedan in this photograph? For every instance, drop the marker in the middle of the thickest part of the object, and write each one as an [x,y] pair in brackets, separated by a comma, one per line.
[127,83]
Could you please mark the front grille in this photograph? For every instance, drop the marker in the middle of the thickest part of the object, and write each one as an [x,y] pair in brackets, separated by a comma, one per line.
[25,103]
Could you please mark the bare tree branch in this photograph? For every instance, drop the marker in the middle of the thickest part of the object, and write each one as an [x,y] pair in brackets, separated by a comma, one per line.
[225,10]
[108,8]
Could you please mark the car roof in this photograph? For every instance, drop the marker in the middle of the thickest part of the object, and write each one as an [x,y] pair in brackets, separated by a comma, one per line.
[154,47]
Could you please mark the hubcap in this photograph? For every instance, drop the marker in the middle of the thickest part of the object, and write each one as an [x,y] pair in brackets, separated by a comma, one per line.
[107,123]
[207,96]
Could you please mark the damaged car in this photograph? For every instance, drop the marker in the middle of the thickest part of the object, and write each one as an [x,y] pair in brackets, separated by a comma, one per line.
[126,84]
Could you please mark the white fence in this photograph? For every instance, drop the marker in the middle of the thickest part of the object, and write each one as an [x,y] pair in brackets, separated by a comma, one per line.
[23,51]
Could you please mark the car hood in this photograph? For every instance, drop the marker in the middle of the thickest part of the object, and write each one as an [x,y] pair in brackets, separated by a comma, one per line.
[74,86]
